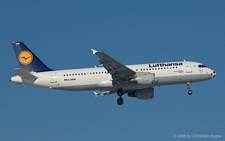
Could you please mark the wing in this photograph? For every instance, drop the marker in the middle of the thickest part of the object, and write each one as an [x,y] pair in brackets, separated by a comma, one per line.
[119,72]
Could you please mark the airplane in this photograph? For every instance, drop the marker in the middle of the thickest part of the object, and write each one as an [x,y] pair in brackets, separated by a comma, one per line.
[111,77]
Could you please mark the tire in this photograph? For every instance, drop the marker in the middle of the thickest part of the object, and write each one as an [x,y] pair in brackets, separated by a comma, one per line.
[190,92]
[120,101]
[120,92]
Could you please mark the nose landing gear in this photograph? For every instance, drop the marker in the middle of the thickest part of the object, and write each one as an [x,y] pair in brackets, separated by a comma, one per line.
[190,92]
[189,88]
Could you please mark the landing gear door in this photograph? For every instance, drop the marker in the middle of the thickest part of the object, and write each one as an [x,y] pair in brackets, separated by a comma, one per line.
[53,77]
[188,67]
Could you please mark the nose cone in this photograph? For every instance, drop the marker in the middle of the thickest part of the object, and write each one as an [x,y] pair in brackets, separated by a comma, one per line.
[213,73]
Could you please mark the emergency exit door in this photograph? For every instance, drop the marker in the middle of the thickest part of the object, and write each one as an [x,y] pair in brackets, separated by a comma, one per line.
[53,77]
[188,67]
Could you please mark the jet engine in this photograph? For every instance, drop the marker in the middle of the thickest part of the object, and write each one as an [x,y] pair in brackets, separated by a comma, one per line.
[144,78]
[105,84]
[144,94]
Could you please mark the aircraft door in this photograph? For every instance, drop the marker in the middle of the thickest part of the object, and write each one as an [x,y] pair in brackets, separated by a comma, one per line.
[53,77]
[188,67]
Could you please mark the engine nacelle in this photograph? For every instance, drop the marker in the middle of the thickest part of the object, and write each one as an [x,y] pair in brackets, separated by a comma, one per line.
[142,93]
[105,84]
[144,78]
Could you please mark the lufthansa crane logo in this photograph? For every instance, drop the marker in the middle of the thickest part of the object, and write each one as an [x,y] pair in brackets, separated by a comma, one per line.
[25,57]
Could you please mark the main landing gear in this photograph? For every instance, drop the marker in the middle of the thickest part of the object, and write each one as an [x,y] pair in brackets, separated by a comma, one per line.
[189,88]
[120,101]
[120,93]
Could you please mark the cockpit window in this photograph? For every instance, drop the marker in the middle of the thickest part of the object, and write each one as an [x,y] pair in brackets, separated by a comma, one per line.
[201,66]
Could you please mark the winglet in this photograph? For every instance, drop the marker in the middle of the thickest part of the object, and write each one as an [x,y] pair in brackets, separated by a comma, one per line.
[94,51]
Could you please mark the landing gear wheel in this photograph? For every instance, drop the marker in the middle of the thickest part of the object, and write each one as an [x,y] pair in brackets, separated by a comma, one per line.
[189,88]
[120,101]
[120,92]
[190,92]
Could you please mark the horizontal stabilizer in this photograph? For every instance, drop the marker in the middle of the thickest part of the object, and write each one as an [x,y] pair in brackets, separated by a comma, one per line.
[25,75]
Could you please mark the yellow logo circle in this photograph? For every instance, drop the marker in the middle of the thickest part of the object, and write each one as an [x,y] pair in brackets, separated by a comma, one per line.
[25,57]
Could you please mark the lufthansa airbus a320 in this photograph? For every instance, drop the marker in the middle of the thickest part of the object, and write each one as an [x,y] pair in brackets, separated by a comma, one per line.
[112,77]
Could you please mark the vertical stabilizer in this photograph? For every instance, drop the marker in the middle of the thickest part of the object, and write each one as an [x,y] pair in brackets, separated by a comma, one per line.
[27,60]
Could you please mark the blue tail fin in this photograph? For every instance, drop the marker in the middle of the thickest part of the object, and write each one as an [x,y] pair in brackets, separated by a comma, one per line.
[27,60]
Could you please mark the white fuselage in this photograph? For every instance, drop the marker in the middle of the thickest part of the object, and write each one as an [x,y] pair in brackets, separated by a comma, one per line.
[98,78]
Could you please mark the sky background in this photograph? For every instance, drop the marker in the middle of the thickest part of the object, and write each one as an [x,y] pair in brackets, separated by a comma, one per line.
[61,33]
